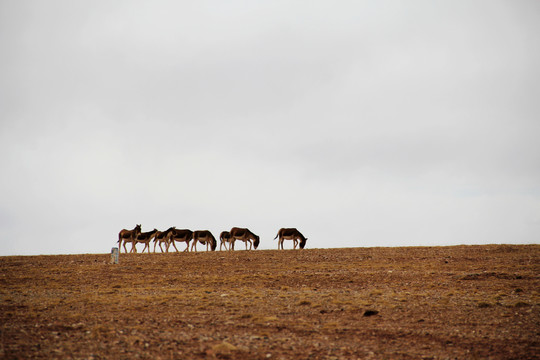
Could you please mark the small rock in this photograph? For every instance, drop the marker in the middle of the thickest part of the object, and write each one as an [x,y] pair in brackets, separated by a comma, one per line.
[224,347]
[370,312]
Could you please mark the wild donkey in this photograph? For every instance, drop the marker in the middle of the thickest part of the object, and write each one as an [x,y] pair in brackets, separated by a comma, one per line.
[204,237]
[183,235]
[128,236]
[225,238]
[144,238]
[244,235]
[290,234]
[163,237]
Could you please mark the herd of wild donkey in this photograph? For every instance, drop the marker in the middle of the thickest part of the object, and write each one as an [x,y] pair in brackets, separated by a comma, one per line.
[205,237]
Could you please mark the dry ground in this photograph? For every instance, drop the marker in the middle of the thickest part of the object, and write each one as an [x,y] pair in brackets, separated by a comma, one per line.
[462,302]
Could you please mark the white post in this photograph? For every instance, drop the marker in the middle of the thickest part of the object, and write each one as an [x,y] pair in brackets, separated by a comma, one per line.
[114,255]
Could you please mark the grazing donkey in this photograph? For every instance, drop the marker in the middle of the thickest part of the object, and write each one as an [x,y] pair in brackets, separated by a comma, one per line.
[290,234]
[204,237]
[244,235]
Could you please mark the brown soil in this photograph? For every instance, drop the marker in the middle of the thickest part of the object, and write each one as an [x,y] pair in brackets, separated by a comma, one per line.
[462,302]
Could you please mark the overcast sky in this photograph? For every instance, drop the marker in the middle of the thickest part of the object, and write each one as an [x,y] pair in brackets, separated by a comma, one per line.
[382,123]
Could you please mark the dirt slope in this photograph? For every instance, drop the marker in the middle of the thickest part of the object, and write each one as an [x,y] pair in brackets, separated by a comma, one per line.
[461,302]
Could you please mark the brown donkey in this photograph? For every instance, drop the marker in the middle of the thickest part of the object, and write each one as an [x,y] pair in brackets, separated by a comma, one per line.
[225,238]
[163,237]
[128,236]
[204,237]
[144,238]
[183,235]
[290,234]
[245,235]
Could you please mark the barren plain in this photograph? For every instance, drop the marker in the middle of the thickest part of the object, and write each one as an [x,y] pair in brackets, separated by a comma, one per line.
[459,302]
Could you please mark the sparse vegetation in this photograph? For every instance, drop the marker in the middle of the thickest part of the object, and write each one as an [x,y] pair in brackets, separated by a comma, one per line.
[314,303]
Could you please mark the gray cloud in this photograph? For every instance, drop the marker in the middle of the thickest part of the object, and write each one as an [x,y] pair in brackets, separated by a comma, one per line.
[412,124]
